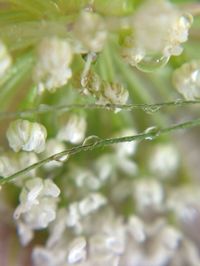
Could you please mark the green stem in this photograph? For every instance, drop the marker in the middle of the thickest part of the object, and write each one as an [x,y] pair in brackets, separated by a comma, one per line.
[148,108]
[102,143]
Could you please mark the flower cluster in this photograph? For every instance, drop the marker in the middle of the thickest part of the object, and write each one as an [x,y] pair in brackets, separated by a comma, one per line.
[73,166]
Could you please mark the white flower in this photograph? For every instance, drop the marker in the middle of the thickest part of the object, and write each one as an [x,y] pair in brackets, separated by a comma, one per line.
[8,165]
[38,203]
[74,130]
[5,59]
[12,163]
[86,206]
[77,251]
[148,194]
[126,148]
[90,31]
[25,233]
[91,203]
[25,135]
[85,178]
[164,160]
[113,93]
[186,80]
[159,30]
[52,147]
[182,202]
[52,67]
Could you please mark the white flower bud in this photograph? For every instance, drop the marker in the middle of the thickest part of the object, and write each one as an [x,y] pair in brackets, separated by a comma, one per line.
[90,30]
[91,203]
[182,201]
[148,195]
[25,233]
[8,165]
[126,148]
[164,160]
[73,215]
[137,229]
[186,80]
[113,93]
[74,130]
[5,59]
[52,67]
[53,146]
[77,251]
[25,135]
[38,202]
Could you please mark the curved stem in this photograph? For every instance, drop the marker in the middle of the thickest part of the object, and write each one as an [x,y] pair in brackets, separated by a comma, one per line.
[104,142]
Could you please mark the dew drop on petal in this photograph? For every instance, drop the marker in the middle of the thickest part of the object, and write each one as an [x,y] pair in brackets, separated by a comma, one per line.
[150,63]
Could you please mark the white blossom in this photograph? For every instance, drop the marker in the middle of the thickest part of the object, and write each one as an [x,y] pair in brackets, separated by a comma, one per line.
[90,31]
[186,80]
[91,203]
[53,146]
[38,203]
[126,148]
[27,136]
[148,194]
[164,160]
[52,69]
[74,130]
[77,251]
[113,93]
[159,29]
[182,202]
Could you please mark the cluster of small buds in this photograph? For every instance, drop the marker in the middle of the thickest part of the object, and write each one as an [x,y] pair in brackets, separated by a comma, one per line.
[74,130]
[38,203]
[114,212]
[159,29]
[5,59]
[104,92]
[90,32]
[186,80]
[113,241]
[26,136]
[52,69]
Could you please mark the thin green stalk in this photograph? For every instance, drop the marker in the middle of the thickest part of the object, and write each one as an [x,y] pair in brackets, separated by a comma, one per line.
[148,108]
[15,75]
[150,135]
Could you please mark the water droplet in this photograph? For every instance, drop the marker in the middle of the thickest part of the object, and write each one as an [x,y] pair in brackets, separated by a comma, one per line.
[151,109]
[91,140]
[62,158]
[178,101]
[152,62]
[186,20]
[153,133]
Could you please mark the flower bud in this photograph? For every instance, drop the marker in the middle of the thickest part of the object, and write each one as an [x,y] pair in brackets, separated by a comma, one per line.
[27,136]
[186,80]
[52,68]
